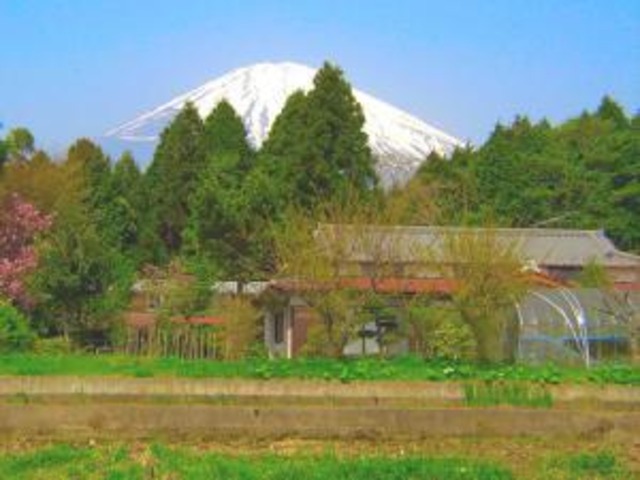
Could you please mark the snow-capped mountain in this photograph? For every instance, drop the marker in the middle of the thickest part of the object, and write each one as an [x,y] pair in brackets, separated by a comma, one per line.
[258,93]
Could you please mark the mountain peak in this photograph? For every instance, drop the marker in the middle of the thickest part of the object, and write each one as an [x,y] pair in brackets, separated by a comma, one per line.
[258,93]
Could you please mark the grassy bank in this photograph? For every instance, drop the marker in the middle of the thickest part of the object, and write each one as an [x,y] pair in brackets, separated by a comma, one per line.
[400,369]
[139,461]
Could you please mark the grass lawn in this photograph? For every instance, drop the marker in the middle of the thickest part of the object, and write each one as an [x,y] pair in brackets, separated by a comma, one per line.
[399,369]
[159,460]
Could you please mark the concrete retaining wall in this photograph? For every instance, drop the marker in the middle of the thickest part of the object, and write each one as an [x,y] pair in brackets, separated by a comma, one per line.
[182,387]
[134,420]
[104,386]
[123,406]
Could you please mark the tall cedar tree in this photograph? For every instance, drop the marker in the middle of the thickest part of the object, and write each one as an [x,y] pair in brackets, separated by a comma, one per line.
[123,209]
[320,144]
[171,179]
[224,132]
[93,167]
[338,153]
[289,125]
[224,227]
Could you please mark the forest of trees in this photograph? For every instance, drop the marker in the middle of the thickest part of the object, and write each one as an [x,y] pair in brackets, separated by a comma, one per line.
[583,173]
[76,231]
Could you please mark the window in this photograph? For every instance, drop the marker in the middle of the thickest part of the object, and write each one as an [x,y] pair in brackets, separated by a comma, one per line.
[278,327]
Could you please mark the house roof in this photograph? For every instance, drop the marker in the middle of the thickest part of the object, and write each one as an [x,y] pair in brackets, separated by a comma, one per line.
[542,246]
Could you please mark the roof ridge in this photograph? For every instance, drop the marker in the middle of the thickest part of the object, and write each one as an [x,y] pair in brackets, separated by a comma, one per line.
[590,232]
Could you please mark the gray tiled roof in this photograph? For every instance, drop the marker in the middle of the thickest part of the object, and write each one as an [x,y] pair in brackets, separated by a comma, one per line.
[545,247]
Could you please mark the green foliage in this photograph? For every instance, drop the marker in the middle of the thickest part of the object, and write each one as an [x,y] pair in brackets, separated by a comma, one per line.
[83,282]
[185,289]
[583,173]
[171,178]
[438,332]
[71,461]
[230,210]
[20,144]
[187,464]
[489,281]
[121,211]
[282,141]
[15,333]
[587,466]
[52,346]
[319,143]
[208,196]
[398,369]
[593,275]
[224,133]
[140,460]
[160,461]
[92,166]
[240,333]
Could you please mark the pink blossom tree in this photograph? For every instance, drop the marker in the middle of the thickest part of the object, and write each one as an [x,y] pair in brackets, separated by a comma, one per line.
[20,224]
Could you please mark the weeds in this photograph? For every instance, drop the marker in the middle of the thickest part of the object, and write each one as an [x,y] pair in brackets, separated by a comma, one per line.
[587,466]
[159,460]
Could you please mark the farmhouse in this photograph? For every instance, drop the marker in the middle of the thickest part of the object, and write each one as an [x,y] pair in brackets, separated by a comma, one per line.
[403,261]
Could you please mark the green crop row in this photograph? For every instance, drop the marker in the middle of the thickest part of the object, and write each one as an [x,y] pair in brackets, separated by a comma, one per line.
[398,369]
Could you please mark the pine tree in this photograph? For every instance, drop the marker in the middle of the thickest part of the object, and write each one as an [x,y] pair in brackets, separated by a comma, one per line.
[170,180]
[337,160]
[224,132]
[320,144]
[124,203]
[223,228]
[288,127]
[610,110]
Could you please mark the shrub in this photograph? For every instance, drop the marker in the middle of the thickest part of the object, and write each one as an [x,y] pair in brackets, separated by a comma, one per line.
[52,346]
[438,332]
[241,329]
[15,333]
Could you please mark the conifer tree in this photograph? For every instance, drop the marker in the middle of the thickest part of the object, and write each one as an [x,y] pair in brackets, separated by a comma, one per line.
[288,128]
[171,179]
[91,162]
[123,209]
[319,144]
[223,228]
[224,132]
[337,159]
[610,110]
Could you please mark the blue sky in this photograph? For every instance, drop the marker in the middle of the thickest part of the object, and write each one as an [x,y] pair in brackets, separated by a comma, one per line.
[77,68]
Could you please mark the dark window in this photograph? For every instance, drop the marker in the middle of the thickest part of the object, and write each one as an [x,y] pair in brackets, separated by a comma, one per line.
[278,327]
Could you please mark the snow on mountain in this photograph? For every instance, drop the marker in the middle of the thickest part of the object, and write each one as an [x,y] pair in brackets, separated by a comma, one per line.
[258,93]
